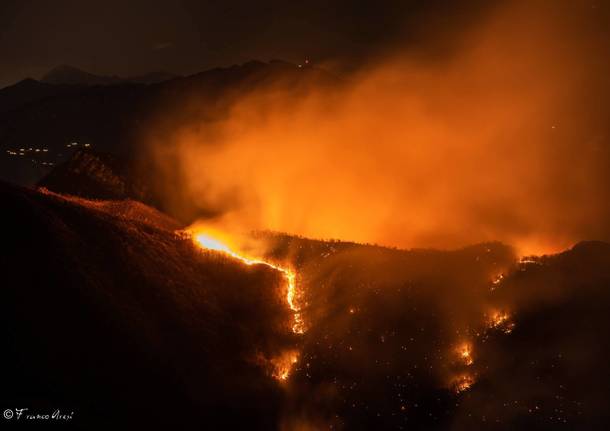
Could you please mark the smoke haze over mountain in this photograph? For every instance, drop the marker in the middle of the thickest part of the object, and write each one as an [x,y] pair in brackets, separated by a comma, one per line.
[505,139]
[113,37]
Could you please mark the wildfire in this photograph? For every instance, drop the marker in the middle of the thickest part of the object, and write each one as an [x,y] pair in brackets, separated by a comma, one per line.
[463,383]
[465,353]
[497,279]
[207,242]
[284,364]
[500,320]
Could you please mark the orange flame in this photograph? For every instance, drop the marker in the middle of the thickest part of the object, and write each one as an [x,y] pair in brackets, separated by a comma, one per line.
[207,242]
[465,353]
[463,383]
[284,364]
[210,243]
[500,320]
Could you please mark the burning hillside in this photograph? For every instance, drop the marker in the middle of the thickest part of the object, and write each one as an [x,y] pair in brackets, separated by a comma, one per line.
[107,305]
[209,243]
[105,309]
[283,364]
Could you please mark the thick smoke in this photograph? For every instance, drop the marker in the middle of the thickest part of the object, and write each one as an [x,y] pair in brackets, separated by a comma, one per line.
[504,139]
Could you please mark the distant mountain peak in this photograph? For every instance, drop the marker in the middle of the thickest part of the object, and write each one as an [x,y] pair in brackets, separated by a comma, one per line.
[70,75]
[65,74]
[153,77]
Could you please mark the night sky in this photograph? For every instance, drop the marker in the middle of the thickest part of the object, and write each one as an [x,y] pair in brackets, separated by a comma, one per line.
[114,37]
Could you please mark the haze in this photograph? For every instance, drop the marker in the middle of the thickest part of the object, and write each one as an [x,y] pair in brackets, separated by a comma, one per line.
[505,140]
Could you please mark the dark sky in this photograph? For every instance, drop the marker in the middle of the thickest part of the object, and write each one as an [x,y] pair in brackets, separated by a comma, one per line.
[138,36]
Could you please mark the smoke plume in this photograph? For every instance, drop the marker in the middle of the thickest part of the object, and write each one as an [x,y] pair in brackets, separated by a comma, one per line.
[504,138]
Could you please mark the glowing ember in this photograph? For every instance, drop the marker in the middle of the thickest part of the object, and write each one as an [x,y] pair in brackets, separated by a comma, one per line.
[465,353]
[529,260]
[284,364]
[463,383]
[498,279]
[500,320]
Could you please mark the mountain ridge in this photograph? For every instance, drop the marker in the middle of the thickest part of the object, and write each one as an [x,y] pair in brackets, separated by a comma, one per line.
[69,75]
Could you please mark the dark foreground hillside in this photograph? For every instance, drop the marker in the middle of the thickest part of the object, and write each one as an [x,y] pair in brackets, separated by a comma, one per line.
[108,314]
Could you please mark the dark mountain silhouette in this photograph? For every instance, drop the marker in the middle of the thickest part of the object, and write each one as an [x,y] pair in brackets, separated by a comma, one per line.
[152,77]
[116,118]
[28,91]
[108,116]
[68,75]
[66,80]
[95,175]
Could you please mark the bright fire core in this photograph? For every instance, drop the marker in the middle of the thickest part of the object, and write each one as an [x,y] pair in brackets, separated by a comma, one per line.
[207,242]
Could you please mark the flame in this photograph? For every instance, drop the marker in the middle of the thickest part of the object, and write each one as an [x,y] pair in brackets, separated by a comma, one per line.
[206,241]
[210,243]
[284,364]
[465,353]
[463,383]
[498,279]
[463,380]
[529,260]
[500,320]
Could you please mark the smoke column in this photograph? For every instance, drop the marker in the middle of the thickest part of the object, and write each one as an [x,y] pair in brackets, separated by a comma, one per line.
[505,138]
